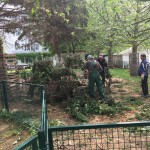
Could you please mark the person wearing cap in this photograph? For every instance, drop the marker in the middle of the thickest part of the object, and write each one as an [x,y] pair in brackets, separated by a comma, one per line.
[102,61]
[93,67]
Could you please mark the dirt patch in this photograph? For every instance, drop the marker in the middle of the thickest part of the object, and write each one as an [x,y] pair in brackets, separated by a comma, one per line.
[11,135]
[58,112]
[125,117]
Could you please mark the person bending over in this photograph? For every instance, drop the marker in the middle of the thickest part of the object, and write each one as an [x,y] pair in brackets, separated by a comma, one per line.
[93,67]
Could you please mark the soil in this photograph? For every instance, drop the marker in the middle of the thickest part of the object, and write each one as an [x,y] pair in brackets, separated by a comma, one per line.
[11,136]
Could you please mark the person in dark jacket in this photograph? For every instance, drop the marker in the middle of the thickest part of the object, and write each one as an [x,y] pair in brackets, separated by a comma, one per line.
[102,61]
[143,73]
[93,68]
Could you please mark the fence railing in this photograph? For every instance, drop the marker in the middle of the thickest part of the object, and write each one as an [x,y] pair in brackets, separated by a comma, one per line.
[30,144]
[118,136]
[23,101]
[26,103]
[127,136]
[43,133]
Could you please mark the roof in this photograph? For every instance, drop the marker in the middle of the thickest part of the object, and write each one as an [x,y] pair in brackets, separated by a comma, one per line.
[127,51]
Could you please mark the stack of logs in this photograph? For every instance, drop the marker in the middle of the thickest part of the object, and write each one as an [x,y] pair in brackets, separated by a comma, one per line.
[8,71]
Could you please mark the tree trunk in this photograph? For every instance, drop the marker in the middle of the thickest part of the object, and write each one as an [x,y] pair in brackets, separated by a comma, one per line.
[98,52]
[134,56]
[110,56]
[3,74]
[134,61]
[56,47]
[58,54]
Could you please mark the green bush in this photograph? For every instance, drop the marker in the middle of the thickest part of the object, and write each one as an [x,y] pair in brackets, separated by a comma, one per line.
[43,72]
[73,61]
[82,106]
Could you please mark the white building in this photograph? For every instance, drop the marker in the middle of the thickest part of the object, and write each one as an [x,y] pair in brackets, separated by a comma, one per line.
[10,47]
[9,39]
[122,59]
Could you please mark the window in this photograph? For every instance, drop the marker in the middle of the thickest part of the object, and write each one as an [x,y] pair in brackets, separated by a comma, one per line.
[36,46]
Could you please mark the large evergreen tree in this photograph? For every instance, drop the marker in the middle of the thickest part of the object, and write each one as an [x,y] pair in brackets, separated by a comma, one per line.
[56,24]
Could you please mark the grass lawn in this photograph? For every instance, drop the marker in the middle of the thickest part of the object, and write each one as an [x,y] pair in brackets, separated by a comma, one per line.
[124,74]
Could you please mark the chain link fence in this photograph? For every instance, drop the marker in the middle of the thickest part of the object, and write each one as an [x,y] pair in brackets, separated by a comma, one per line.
[23,101]
[119,136]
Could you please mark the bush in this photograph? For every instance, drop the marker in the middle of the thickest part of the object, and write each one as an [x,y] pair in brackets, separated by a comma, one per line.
[82,106]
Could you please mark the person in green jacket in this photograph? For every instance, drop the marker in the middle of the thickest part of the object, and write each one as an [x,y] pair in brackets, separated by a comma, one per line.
[93,67]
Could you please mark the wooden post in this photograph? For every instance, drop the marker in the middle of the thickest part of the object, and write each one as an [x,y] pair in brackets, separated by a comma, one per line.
[3,73]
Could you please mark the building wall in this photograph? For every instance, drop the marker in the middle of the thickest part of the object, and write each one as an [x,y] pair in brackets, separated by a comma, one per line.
[10,47]
[124,63]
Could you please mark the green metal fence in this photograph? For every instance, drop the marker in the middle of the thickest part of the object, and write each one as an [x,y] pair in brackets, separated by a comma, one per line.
[118,136]
[23,101]
[41,141]
[26,103]
[44,124]
[30,144]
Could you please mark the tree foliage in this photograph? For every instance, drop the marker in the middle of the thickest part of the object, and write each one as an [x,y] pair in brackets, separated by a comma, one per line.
[33,55]
[133,19]
[118,24]
[60,25]
[55,24]
[102,22]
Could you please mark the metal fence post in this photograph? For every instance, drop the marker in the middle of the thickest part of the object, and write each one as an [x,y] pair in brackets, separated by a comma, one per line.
[41,139]
[44,124]
[50,138]
[34,145]
[41,93]
[5,96]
